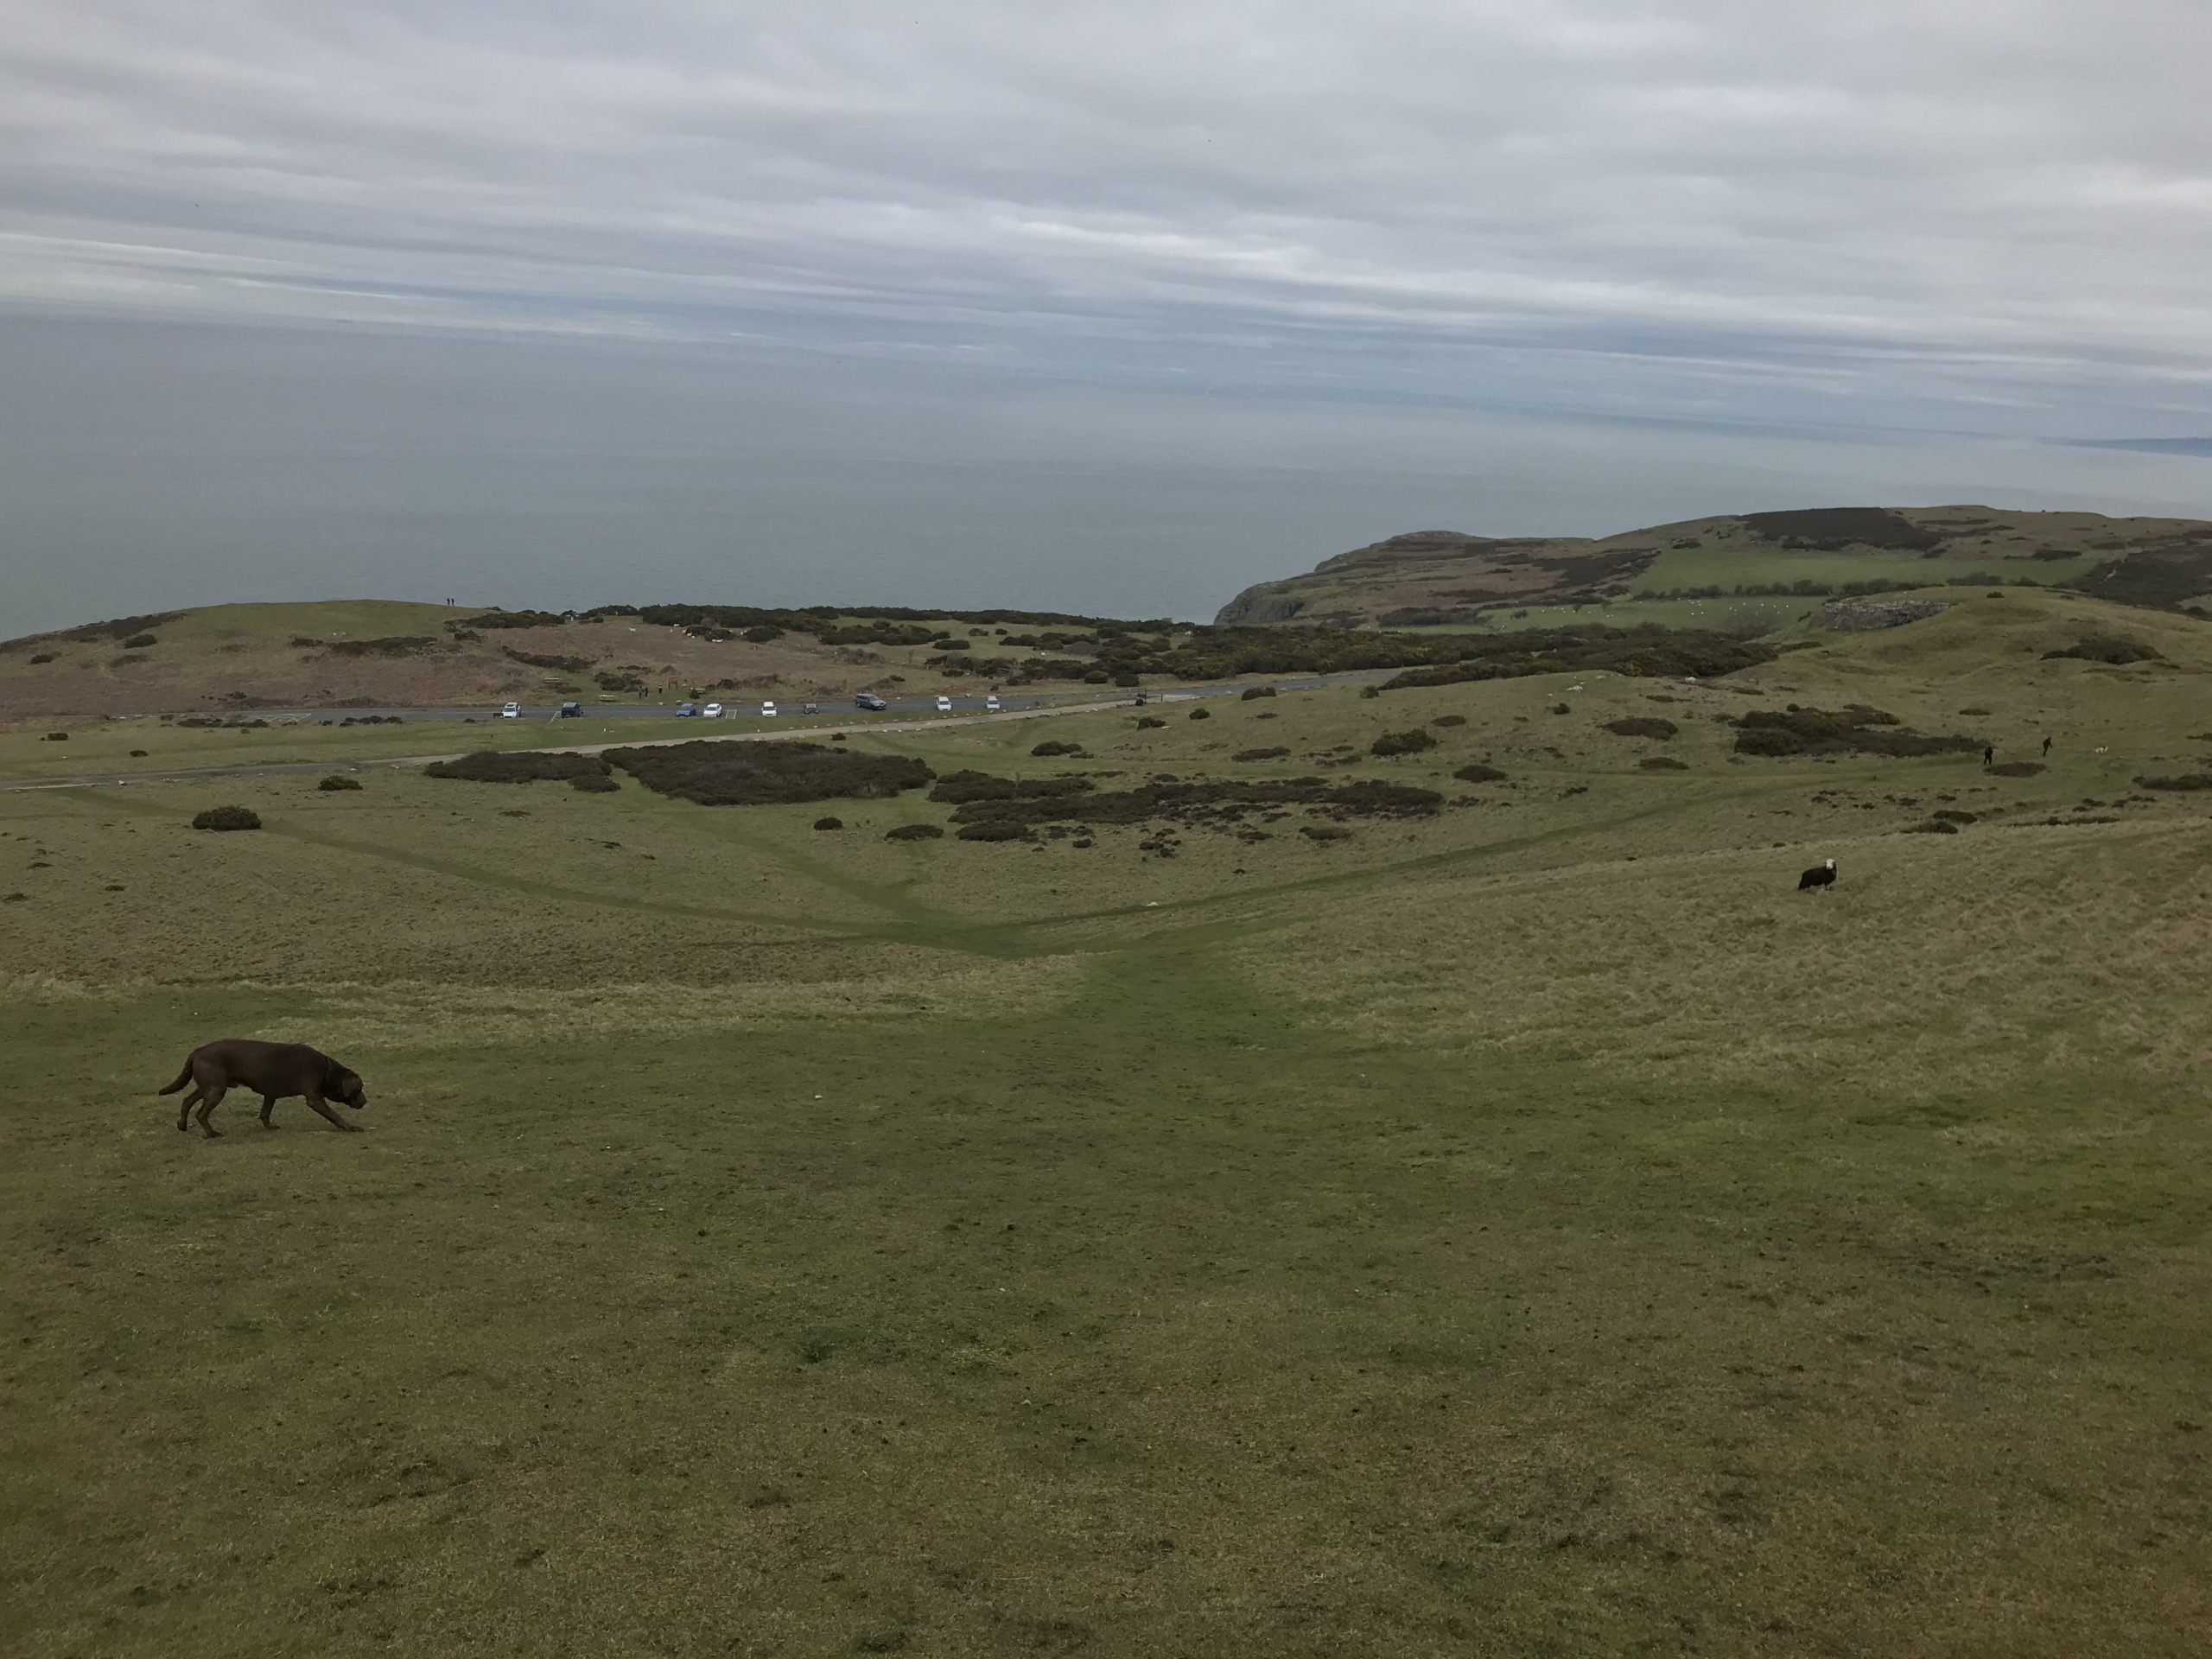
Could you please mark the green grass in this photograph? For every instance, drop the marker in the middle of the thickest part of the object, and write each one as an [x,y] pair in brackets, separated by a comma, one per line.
[1537,1230]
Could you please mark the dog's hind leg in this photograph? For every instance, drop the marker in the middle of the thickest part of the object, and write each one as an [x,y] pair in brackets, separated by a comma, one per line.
[210,1099]
[184,1109]
[336,1122]
[267,1105]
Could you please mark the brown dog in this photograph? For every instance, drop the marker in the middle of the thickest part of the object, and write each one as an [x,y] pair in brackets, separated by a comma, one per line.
[274,1071]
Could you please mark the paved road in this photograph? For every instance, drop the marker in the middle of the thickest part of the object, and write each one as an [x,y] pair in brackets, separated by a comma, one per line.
[802,726]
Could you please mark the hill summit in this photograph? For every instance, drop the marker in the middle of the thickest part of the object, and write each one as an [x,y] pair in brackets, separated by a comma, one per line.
[1443,578]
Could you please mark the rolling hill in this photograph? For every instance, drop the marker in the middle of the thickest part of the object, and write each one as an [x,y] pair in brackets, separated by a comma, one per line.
[1755,571]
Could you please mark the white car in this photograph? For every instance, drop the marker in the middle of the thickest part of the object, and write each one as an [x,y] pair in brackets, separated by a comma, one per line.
[768,710]
[712,711]
[944,705]
[511,711]
[991,703]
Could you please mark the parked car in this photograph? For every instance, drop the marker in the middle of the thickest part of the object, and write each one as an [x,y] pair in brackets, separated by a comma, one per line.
[991,703]
[712,711]
[571,711]
[811,709]
[943,704]
[686,710]
[768,710]
[870,701]
[511,711]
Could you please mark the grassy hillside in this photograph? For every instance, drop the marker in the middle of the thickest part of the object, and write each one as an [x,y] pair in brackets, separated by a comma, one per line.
[378,652]
[1527,1225]
[1710,572]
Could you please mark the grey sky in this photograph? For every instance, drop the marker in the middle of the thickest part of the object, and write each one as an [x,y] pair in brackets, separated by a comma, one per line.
[1957,216]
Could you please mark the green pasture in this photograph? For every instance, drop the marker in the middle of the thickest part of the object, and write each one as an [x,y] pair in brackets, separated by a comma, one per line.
[1535,1228]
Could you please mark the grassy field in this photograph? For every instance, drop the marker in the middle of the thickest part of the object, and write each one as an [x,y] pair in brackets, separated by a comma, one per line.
[1535,1229]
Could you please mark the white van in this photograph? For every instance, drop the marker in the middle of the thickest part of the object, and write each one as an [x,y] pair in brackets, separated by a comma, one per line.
[768,710]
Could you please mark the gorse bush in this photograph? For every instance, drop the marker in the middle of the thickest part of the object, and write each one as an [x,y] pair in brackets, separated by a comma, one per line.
[337,781]
[765,774]
[1149,722]
[994,830]
[829,823]
[2105,648]
[1855,730]
[959,788]
[522,767]
[1216,799]
[1260,754]
[227,818]
[1478,773]
[1661,763]
[1449,720]
[594,783]
[139,642]
[915,832]
[2188,780]
[1252,691]
[1052,747]
[1642,726]
[1406,742]
[1201,714]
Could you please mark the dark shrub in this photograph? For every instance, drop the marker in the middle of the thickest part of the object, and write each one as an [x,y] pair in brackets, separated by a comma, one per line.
[1252,691]
[139,642]
[227,818]
[1951,815]
[1478,773]
[994,830]
[2185,781]
[1407,742]
[1661,763]
[1126,679]
[1201,714]
[2016,769]
[761,635]
[956,789]
[829,823]
[619,683]
[1148,722]
[1932,826]
[953,648]
[338,780]
[43,656]
[1449,720]
[1974,711]
[761,774]
[137,754]
[1260,754]
[1856,730]
[490,766]
[1052,747]
[1214,800]
[405,645]
[915,832]
[2106,648]
[1374,691]
[56,737]
[1642,726]
[594,783]
[18,897]
[1325,832]
[1562,709]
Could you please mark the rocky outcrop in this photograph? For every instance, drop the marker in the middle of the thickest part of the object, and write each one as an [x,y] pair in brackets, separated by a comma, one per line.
[1866,615]
[1258,605]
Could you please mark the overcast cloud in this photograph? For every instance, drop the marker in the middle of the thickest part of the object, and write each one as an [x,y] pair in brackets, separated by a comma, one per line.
[1956,216]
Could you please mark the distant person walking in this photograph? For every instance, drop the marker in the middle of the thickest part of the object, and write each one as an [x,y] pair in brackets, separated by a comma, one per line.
[1988,756]
[2046,748]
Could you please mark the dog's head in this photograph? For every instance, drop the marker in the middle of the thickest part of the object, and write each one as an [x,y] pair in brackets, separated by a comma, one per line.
[346,1085]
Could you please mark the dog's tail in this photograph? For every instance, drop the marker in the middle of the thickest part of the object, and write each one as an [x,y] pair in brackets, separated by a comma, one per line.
[182,1077]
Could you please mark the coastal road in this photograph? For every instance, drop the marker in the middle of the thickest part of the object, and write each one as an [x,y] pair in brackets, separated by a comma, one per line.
[799,725]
